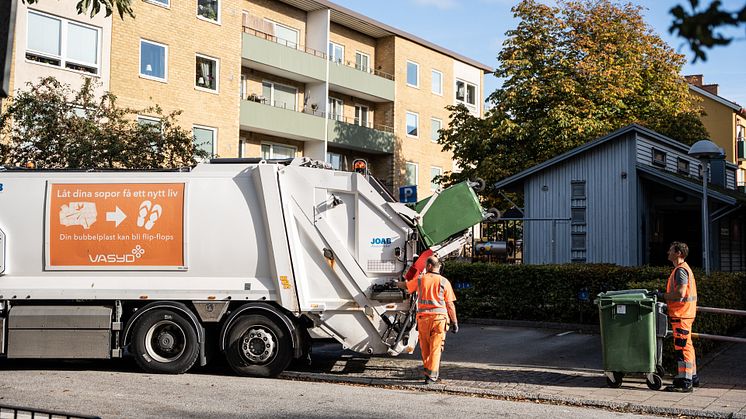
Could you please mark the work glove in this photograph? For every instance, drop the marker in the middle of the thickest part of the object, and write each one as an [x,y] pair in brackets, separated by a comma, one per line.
[454,328]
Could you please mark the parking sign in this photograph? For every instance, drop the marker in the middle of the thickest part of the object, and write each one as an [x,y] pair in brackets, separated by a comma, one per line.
[408,194]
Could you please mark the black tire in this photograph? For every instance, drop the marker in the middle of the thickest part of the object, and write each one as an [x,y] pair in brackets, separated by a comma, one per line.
[164,341]
[660,371]
[617,381]
[656,383]
[258,347]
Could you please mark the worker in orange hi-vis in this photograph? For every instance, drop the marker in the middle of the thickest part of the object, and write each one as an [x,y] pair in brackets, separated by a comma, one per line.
[435,310]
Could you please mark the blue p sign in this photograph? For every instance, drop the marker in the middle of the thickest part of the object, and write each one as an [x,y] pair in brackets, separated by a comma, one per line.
[408,194]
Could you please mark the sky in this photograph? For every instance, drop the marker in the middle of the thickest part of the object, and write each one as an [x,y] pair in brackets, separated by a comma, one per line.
[476,29]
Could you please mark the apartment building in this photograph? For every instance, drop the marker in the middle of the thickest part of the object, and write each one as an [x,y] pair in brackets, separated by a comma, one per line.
[268,78]
[725,122]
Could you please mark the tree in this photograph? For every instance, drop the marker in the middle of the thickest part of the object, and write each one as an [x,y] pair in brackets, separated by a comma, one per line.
[123,7]
[700,26]
[572,74]
[53,126]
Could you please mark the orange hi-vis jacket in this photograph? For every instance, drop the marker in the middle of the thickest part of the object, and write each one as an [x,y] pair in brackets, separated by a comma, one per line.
[433,292]
[686,307]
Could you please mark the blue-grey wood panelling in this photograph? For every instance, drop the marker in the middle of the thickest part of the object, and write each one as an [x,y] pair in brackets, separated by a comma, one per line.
[608,221]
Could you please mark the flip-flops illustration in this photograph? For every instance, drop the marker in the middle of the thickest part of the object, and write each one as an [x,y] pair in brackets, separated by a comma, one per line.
[148,214]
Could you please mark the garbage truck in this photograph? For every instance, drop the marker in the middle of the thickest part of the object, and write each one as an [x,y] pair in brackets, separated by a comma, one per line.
[243,258]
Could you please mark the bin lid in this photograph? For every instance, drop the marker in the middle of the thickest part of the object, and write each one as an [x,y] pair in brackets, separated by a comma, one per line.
[626,296]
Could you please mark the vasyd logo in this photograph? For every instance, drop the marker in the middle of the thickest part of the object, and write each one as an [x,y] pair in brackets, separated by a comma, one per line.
[136,253]
[381,241]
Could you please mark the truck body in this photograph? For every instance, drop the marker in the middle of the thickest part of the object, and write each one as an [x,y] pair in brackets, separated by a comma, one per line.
[250,259]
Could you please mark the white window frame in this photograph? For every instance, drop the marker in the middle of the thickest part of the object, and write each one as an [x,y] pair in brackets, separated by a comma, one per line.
[274,33]
[151,119]
[165,61]
[166,5]
[440,87]
[466,89]
[340,116]
[217,74]
[417,126]
[214,137]
[272,145]
[338,60]
[64,23]
[369,68]
[434,187]
[440,121]
[271,97]
[358,121]
[417,86]
[200,17]
[416,173]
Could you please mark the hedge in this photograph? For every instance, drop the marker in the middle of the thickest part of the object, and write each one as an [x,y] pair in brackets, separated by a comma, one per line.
[550,293]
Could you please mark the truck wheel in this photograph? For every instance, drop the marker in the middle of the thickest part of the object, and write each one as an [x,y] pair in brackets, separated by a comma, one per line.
[164,342]
[258,347]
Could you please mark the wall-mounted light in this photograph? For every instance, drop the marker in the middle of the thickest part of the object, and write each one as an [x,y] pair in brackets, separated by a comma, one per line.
[679,198]
[624,175]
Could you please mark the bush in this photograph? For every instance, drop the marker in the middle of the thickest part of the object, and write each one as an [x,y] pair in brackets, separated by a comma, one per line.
[550,293]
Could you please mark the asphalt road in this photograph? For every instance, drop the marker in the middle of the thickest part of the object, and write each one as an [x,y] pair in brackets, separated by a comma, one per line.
[115,390]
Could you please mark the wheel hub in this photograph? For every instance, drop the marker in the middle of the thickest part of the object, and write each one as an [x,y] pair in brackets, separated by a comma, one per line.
[165,341]
[258,345]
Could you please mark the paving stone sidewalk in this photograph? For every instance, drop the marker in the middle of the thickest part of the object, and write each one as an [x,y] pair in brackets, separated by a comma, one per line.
[543,365]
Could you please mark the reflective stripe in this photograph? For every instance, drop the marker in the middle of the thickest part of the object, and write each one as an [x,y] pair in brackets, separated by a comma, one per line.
[432,310]
[685,300]
[430,302]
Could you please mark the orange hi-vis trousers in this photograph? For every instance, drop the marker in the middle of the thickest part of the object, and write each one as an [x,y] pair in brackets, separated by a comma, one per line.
[683,348]
[432,330]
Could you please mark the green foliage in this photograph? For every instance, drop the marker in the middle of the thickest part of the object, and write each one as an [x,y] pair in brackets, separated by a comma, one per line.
[54,126]
[700,27]
[550,293]
[123,7]
[572,73]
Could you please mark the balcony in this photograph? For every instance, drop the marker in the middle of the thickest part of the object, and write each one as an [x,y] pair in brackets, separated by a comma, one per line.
[278,121]
[366,83]
[348,133]
[274,55]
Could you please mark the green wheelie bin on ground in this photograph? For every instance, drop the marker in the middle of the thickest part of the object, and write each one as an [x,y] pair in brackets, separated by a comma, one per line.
[633,325]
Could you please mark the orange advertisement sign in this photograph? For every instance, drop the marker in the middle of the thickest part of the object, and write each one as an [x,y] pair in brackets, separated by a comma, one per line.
[115,225]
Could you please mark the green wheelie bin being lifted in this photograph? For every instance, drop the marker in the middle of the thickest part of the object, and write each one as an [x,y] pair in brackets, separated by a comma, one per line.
[633,325]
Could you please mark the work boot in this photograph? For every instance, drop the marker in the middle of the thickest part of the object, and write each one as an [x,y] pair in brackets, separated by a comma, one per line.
[429,380]
[680,385]
[695,380]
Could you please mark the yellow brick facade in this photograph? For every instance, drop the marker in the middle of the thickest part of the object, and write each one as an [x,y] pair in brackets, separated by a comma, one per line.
[353,42]
[185,35]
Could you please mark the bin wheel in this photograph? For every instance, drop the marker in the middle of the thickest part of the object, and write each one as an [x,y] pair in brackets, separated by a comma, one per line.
[617,381]
[656,382]
[660,370]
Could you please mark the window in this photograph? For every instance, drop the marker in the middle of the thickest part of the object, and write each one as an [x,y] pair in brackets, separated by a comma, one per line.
[209,10]
[578,241]
[279,95]
[165,3]
[682,166]
[434,173]
[204,139]
[659,157]
[437,82]
[578,189]
[277,151]
[466,93]
[62,43]
[577,216]
[336,52]
[413,74]
[362,61]
[413,121]
[285,34]
[153,60]
[335,159]
[206,76]
[149,121]
[336,109]
[411,174]
[361,115]
[435,125]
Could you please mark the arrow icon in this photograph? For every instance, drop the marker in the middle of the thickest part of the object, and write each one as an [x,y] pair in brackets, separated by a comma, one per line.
[117,216]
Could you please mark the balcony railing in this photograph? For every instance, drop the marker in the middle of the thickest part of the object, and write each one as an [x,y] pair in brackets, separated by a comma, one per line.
[315,112]
[289,44]
[364,69]
[315,52]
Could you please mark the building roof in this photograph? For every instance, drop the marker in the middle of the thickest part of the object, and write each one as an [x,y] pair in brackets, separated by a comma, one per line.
[587,146]
[688,185]
[736,107]
[376,29]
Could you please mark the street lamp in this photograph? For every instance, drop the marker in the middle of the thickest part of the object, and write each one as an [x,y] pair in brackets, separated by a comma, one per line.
[705,150]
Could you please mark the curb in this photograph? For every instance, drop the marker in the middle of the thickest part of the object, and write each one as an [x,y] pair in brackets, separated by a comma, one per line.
[510,395]
[583,328]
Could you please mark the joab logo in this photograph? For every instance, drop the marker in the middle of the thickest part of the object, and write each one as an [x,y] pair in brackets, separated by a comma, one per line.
[380,241]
